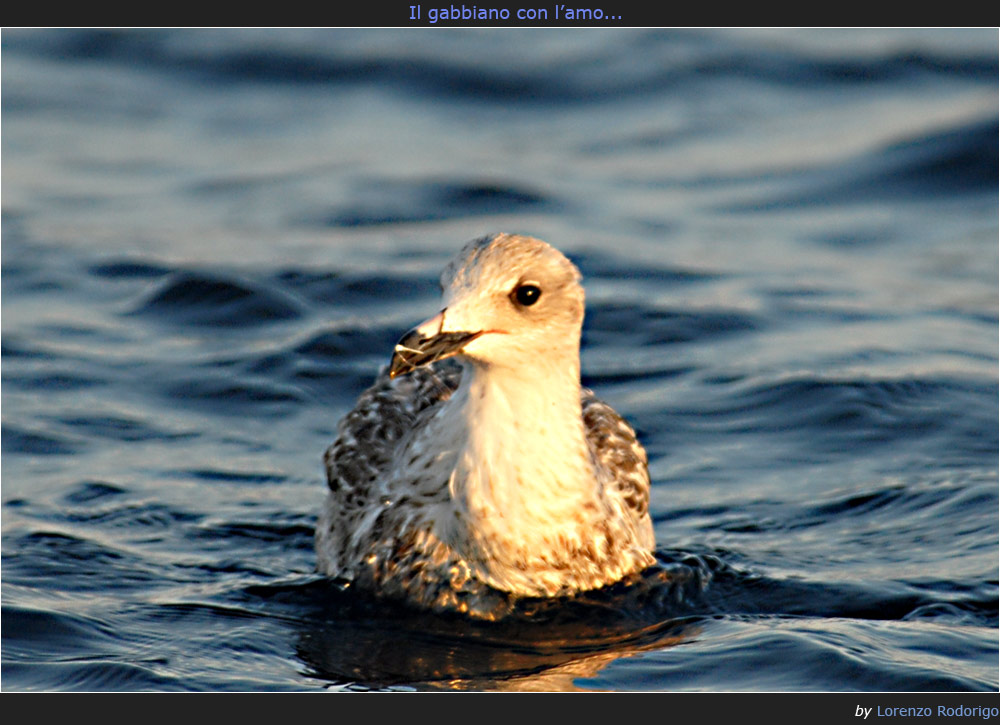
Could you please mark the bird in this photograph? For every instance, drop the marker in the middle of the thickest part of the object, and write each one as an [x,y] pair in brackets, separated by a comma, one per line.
[476,471]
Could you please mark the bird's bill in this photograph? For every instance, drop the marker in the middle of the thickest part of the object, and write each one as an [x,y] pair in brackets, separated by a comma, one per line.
[425,344]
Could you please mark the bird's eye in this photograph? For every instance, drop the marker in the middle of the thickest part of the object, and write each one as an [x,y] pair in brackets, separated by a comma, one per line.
[526,294]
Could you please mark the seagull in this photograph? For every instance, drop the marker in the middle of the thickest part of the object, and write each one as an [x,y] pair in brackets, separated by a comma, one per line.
[475,471]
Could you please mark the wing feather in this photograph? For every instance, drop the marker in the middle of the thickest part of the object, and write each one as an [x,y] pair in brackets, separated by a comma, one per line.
[617,449]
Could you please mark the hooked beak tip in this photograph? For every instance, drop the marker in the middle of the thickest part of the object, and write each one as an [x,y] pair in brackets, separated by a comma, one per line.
[415,350]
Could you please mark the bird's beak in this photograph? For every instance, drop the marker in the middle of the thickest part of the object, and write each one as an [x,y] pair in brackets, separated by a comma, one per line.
[427,343]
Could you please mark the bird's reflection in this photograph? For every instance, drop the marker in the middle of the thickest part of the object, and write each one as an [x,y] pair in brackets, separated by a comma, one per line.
[359,643]
[379,658]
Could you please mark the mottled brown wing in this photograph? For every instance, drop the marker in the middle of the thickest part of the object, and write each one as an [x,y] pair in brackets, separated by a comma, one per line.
[616,448]
[368,435]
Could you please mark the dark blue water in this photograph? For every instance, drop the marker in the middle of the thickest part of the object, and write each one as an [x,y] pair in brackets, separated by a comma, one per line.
[212,239]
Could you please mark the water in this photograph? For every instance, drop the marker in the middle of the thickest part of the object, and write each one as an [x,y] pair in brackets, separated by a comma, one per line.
[212,239]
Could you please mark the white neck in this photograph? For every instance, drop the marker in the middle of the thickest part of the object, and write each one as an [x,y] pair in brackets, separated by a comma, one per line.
[524,489]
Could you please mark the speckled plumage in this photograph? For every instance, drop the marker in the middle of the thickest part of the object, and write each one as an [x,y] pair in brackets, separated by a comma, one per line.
[464,484]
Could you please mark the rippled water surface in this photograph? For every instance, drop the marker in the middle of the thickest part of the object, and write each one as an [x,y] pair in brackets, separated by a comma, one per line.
[212,239]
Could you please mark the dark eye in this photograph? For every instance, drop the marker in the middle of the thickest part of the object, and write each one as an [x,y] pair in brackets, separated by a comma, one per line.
[526,294]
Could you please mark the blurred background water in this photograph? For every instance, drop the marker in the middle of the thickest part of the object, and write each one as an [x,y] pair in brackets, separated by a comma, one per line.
[211,240]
